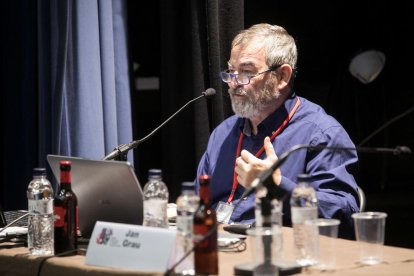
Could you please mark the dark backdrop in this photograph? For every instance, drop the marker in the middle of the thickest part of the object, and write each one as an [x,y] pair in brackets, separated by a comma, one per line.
[328,35]
[185,45]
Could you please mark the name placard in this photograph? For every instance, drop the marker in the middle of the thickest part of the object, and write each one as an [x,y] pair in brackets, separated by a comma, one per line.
[130,246]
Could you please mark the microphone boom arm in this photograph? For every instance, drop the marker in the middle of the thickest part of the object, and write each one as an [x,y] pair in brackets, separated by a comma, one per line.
[120,152]
[265,177]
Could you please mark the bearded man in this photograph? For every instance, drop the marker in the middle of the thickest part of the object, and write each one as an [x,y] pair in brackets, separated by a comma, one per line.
[269,120]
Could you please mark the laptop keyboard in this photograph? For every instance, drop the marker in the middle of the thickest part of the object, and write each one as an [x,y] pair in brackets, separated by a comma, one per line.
[12,215]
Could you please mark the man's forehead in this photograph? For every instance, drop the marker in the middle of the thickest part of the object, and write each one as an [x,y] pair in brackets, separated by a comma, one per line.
[248,56]
[248,63]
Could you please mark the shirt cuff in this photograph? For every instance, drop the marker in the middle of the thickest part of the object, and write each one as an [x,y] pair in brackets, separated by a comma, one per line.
[287,184]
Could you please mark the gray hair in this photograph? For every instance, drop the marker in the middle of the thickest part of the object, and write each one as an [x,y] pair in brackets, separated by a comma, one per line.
[278,45]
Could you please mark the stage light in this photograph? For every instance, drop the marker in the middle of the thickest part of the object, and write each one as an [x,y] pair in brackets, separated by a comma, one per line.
[366,66]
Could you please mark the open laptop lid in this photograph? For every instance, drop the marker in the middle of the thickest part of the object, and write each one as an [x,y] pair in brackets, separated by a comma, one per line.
[106,191]
[12,232]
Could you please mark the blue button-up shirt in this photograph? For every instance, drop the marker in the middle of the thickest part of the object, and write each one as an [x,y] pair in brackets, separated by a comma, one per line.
[331,171]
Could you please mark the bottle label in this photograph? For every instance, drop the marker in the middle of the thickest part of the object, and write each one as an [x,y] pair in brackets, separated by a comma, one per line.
[60,214]
[200,241]
[41,207]
[65,177]
[155,208]
[185,224]
[301,214]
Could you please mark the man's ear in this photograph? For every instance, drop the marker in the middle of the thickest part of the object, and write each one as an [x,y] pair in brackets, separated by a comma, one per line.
[285,74]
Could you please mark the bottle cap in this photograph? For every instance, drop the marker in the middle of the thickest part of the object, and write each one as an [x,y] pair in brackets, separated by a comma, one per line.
[187,186]
[154,172]
[204,179]
[65,165]
[39,171]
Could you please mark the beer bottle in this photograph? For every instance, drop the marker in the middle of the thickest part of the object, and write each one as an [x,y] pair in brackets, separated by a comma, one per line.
[205,232]
[66,212]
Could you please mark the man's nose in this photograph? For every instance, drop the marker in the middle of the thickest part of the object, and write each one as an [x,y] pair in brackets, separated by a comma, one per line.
[233,83]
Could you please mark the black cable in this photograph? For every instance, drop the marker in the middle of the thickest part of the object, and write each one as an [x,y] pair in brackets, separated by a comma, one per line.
[66,253]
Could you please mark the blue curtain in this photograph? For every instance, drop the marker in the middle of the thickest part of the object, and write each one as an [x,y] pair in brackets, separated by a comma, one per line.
[83,77]
[65,86]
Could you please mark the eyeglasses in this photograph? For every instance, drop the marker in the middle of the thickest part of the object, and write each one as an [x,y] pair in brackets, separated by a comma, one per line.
[243,79]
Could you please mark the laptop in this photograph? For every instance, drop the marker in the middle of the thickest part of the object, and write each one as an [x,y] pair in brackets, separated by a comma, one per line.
[106,190]
[19,226]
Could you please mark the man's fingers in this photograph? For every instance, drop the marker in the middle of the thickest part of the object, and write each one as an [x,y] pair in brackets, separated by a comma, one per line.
[269,150]
[247,156]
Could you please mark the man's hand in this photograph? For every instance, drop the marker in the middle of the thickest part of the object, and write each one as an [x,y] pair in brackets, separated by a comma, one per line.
[249,166]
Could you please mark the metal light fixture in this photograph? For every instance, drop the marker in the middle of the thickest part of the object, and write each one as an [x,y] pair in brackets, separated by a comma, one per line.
[367,65]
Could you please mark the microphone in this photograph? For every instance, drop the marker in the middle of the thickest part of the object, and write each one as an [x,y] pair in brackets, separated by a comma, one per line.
[274,191]
[119,153]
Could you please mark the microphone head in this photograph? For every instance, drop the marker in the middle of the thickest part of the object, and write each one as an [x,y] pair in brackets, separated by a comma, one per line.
[210,92]
[404,150]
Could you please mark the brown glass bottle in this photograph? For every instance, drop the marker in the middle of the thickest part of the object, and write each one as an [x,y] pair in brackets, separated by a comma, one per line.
[66,212]
[205,223]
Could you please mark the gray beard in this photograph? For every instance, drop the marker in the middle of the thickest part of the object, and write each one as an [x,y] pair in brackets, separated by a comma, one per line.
[251,107]
[245,109]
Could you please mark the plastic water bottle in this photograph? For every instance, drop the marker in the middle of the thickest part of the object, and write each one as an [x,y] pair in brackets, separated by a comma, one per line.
[304,206]
[187,204]
[155,200]
[40,233]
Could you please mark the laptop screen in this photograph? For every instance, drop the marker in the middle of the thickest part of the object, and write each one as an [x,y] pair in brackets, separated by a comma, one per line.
[3,221]
[106,190]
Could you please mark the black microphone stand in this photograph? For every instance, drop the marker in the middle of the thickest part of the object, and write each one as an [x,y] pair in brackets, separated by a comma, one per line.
[378,130]
[121,151]
[275,192]
[267,267]
[265,177]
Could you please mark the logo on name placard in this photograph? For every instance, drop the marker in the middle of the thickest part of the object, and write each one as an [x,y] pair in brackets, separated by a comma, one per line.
[104,236]
[109,238]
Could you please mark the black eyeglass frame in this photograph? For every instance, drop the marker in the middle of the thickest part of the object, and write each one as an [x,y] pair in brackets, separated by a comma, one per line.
[228,77]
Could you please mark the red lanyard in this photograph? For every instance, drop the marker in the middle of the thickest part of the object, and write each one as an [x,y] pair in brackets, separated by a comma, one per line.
[278,130]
